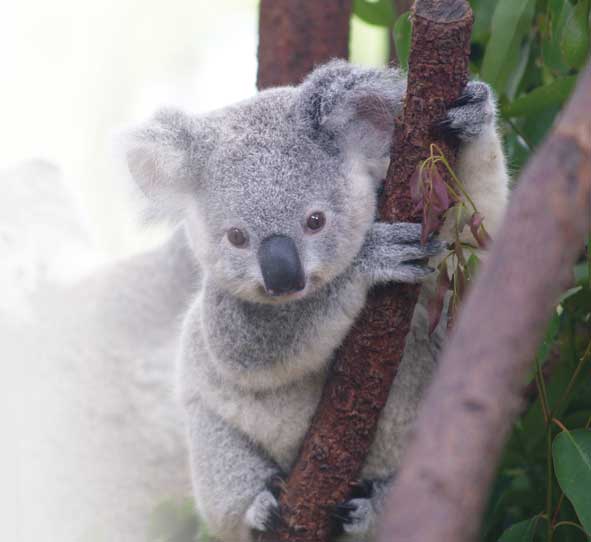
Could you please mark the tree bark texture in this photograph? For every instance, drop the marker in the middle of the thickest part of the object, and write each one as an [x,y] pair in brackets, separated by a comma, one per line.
[297,35]
[441,489]
[343,428]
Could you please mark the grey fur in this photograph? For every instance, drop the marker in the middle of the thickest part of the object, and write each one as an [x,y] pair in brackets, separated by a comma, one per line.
[474,112]
[252,366]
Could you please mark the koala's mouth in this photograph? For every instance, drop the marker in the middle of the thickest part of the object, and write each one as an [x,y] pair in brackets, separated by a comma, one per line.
[312,284]
[283,298]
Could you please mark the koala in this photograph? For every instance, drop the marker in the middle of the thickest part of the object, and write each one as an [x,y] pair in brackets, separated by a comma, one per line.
[277,197]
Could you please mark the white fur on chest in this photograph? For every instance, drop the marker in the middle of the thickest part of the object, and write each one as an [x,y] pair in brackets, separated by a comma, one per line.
[276,420]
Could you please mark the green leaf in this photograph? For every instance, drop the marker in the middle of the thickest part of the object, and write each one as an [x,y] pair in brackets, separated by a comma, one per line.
[582,274]
[402,34]
[571,451]
[521,532]
[540,99]
[546,345]
[574,42]
[482,20]
[511,22]
[569,293]
[377,12]
[536,127]
[557,14]
[518,69]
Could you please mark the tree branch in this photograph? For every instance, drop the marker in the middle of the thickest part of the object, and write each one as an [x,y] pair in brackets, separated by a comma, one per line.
[341,433]
[441,489]
[296,35]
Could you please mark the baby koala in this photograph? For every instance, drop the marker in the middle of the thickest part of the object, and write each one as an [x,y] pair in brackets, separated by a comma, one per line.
[278,198]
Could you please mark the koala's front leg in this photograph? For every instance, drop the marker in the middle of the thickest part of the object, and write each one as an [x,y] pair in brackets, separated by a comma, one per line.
[481,163]
[391,253]
[231,478]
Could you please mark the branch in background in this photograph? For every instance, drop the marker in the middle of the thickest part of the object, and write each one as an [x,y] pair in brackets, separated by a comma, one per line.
[442,487]
[297,35]
[341,433]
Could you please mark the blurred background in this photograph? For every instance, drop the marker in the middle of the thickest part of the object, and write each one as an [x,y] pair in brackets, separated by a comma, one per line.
[73,73]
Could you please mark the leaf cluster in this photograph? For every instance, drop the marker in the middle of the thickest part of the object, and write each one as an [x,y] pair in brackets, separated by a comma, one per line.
[530,52]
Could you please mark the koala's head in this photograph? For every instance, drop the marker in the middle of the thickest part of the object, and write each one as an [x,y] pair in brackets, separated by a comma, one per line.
[277,192]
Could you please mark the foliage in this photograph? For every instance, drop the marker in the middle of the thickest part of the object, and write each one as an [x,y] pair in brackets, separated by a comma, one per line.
[530,52]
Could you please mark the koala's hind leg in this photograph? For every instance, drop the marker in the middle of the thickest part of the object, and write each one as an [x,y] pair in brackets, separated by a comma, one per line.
[230,476]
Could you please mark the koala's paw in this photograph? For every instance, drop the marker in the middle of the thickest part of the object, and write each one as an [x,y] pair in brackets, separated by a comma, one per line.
[471,113]
[356,516]
[263,513]
[402,256]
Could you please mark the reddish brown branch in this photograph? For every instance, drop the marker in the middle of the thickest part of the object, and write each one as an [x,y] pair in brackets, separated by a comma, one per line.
[344,426]
[296,35]
[441,489]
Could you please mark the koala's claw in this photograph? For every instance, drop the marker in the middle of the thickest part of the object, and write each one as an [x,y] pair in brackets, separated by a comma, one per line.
[471,113]
[474,92]
[412,252]
[355,516]
[263,513]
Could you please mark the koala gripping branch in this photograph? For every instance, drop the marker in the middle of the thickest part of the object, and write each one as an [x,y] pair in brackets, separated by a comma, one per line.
[341,433]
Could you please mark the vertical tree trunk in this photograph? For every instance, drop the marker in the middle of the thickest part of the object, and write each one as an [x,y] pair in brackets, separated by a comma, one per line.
[442,487]
[296,35]
[345,422]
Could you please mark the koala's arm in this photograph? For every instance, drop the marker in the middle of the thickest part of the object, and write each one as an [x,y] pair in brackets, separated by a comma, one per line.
[230,477]
[391,252]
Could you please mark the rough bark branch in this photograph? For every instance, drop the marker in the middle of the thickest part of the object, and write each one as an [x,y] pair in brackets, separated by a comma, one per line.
[442,486]
[296,35]
[335,448]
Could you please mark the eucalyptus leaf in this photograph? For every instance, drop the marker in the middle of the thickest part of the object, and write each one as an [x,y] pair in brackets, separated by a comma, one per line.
[546,345]
[482,20]
[582,274]
[574,42]
[520,532]
[558,11]
[571,451]
[378,13]
[511,22]
[402,34]
[540,99]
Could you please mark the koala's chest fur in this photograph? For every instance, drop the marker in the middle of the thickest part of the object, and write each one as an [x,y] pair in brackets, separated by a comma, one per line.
[276,420]
[262,368]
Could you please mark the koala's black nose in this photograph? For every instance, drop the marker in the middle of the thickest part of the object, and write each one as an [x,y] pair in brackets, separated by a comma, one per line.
[280,265]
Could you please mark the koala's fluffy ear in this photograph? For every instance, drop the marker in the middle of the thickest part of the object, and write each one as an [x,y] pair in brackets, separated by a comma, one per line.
[352,108]
[165,157]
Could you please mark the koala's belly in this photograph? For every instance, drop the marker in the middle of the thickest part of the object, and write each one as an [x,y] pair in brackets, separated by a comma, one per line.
[276,420]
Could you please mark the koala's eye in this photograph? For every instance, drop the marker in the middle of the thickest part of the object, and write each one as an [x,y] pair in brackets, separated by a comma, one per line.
[237,237]
[315,221]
